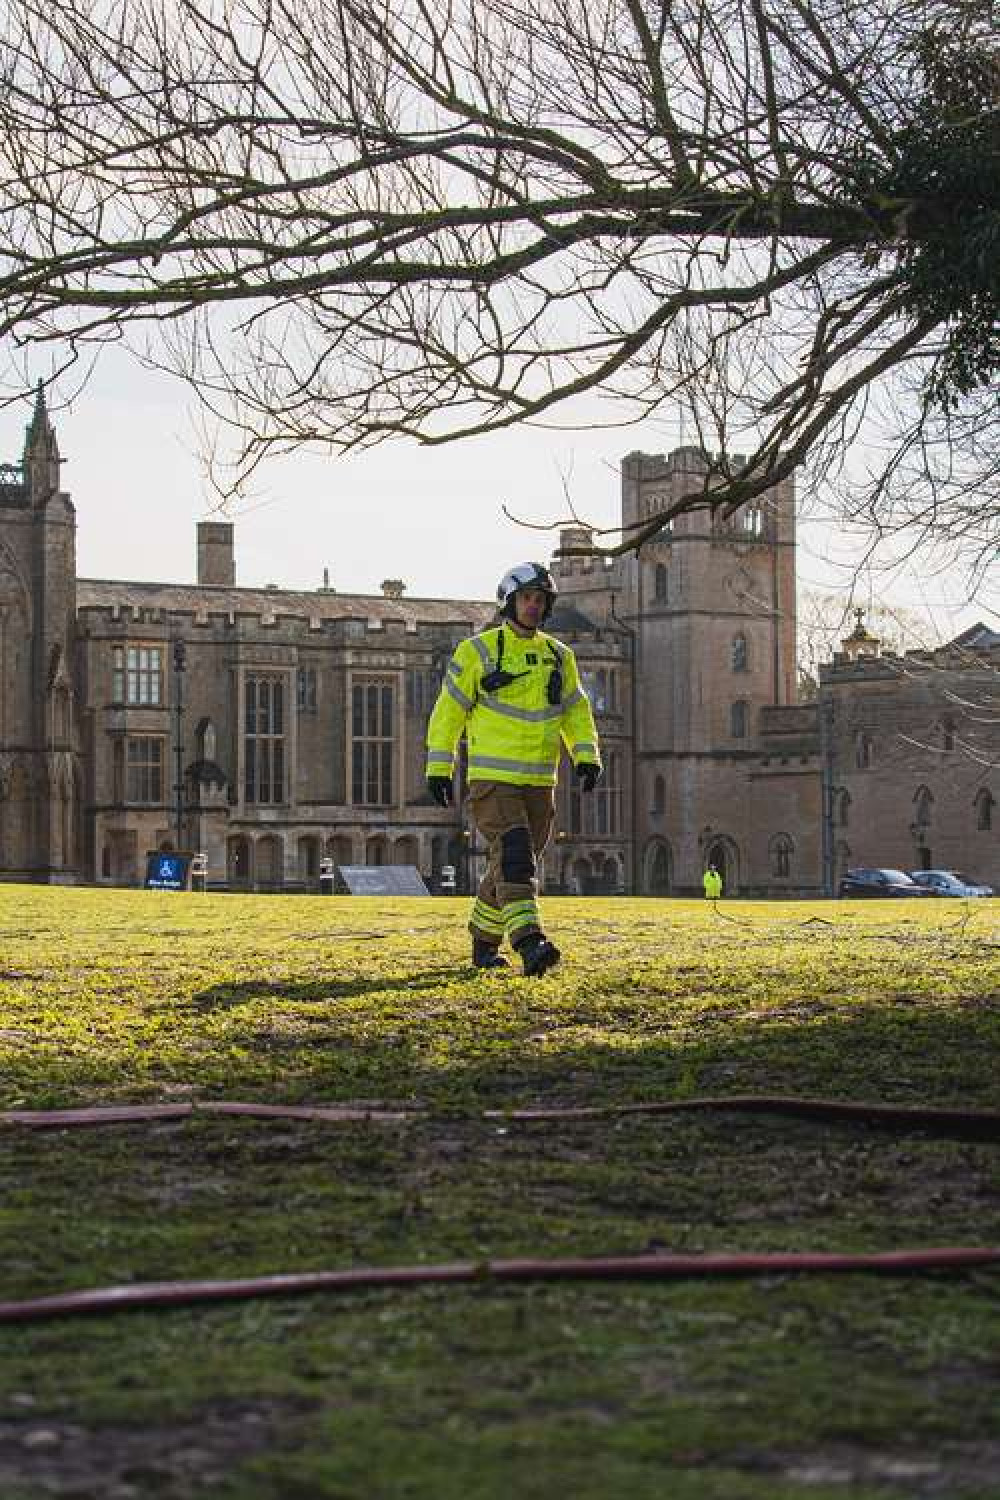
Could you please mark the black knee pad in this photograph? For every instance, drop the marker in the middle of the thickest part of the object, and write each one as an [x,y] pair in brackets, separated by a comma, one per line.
[517,858]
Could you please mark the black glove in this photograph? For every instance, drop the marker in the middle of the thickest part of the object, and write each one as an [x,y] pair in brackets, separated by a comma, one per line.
[589,775]
[441,789]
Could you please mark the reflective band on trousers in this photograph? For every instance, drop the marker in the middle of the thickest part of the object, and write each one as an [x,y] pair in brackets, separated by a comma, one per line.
[501,763]
[529,715]
[487,917]
[518,914]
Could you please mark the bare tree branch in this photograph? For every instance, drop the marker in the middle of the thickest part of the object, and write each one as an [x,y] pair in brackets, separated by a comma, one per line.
[344,221]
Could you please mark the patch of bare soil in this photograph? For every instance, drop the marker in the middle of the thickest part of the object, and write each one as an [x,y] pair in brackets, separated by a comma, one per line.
[946,1473]
[70,1462]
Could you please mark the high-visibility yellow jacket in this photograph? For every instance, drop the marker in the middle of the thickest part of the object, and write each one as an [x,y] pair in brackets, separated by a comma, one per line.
[513,733]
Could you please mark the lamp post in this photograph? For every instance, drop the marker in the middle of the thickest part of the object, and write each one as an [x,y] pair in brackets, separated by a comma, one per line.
[180,661]
[471,854]
[467,838]
[560,841]
[826,740]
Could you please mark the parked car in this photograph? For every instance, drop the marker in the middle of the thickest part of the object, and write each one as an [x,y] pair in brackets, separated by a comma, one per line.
[880,883]
[949,883]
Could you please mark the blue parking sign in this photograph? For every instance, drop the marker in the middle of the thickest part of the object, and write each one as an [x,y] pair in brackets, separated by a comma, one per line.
[167,871]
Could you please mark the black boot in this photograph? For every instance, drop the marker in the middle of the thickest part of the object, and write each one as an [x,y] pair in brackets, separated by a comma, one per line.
[537,954]
[487,955]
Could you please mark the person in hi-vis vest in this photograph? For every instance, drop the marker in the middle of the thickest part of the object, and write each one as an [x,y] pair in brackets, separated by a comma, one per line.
[515,693]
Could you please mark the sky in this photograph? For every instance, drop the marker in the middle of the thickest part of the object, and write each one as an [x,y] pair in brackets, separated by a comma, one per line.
[431,517]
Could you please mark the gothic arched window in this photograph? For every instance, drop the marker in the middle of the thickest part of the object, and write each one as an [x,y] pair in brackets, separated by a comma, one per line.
[659,794]
[864,750]
[660,584]
[613,791]
[781,850]
[740,655]
[984,805]
[923,802]
[575,818]
[739,717]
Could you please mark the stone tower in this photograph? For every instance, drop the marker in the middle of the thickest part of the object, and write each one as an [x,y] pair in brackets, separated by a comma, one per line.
[717,603]
[713,602]
[40,772]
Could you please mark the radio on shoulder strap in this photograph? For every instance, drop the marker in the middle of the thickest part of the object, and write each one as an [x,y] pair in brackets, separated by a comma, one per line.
[498,678]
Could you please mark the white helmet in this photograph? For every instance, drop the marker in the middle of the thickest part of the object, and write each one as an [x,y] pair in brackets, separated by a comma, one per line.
[529,575]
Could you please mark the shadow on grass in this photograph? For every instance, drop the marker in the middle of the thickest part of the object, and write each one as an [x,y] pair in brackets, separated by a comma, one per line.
[243,992]
[483,1050]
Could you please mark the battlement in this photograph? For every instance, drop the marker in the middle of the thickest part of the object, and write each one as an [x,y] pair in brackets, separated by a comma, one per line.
[111,607]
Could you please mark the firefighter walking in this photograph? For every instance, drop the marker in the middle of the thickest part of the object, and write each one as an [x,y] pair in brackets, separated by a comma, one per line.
[515,693]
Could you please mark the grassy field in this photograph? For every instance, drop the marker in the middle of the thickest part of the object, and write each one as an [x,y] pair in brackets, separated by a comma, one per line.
[773,1388]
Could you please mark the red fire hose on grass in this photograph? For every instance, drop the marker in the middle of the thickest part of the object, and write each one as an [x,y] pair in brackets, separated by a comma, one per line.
[606,1268]
[964,1123]
[976,1124]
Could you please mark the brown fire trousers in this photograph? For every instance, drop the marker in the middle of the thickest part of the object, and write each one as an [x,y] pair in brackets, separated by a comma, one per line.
[516,822]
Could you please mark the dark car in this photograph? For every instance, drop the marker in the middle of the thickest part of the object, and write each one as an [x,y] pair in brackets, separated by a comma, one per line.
[880,883]
[950,883]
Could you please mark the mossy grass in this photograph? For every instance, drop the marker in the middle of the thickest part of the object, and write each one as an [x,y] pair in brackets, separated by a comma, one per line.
[773,1388]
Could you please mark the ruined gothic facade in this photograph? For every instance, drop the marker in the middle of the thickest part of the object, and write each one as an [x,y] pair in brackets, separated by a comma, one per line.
[272,729]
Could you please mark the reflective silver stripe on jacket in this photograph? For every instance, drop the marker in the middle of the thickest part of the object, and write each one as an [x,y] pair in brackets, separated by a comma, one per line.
[484,655]
[454,668]
[582,746]
[458,695]
[501,763]
[574,697]
[528,715]
[439,758]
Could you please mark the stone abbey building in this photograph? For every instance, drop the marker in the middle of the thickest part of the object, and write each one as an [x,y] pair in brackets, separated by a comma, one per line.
[272,728]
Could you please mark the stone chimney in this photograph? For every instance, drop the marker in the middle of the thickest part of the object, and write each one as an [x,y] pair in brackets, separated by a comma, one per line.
[216,563]
[574,538]
[393,588]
